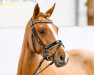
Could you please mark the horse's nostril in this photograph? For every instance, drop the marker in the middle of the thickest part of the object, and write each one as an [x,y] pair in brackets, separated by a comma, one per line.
[61,57]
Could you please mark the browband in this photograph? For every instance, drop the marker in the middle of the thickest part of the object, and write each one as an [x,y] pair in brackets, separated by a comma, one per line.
[39,21]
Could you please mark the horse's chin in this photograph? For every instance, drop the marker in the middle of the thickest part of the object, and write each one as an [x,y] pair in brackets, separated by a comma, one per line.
[57,64]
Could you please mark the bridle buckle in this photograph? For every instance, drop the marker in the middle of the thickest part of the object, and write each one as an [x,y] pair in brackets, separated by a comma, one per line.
[50,55]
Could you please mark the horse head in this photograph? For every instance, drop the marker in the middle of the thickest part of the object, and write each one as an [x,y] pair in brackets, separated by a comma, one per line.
[42,37]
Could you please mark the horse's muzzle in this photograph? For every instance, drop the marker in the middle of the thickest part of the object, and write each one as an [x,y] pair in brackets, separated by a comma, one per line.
[61,60]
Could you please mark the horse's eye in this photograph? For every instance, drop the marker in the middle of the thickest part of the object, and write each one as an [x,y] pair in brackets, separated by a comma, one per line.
[42,31]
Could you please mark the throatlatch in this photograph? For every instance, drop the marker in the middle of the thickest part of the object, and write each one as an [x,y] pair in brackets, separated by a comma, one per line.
[47,49]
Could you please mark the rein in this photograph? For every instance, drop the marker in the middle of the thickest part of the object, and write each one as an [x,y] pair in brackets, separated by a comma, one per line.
[45,49]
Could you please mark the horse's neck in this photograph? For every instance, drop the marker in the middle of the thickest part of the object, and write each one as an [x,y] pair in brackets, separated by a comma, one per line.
[28,60]
[30,63]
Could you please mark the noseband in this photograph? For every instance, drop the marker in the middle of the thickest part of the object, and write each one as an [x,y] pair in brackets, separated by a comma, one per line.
[45,49]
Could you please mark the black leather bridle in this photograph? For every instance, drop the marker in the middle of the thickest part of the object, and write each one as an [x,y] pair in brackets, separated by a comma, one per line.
[45,49]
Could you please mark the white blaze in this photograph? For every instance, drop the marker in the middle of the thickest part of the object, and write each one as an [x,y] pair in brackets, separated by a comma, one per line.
[53,31]
[67,56]
[56,37]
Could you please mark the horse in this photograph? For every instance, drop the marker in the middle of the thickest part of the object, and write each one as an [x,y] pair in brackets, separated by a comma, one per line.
[41,47]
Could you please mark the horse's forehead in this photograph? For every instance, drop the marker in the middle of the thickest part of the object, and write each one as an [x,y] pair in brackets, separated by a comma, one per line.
[43,18]
[53,30]
[50,26]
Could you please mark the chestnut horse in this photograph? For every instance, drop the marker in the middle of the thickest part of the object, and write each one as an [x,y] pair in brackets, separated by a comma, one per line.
[45,32]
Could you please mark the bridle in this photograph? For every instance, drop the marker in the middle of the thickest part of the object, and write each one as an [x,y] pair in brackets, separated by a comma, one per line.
[45,49]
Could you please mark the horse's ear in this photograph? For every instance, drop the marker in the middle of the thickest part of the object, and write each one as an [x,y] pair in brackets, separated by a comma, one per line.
[36,10]
[50,11]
